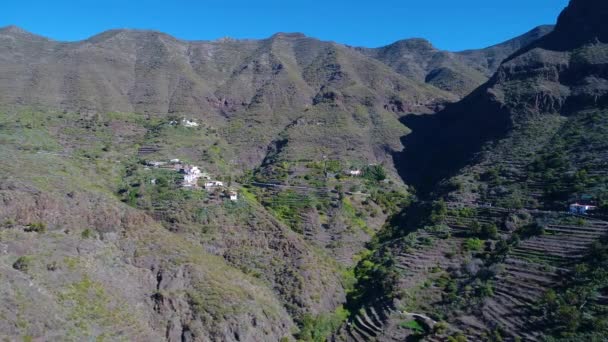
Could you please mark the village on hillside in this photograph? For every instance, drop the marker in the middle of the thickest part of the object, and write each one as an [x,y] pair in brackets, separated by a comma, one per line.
[194,178]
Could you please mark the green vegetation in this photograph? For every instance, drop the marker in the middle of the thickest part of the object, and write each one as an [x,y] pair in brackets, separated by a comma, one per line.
[265,272]
[391,201]
[90,305]
[376,279]
[86,234]
[319,328]
[23,263]
[466,212]
[473,245]
[530,230]
[154,188]
[438,212]
[37,227]
[569,167]
[375,173]
[484,231]
[413,325]
[573,313]
[458,337]
[288,206]
[440,230]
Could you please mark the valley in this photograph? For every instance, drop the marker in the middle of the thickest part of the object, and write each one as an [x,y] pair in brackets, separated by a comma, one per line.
[292,189]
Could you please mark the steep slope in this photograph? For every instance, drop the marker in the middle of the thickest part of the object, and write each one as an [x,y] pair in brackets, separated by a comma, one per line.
[495,256]
[459,72]
[555,75]
[305,130]
[113,103]
[488,60]
[79,264]
[231,85]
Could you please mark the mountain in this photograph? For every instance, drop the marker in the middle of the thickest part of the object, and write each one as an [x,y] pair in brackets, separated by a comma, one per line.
[551,76]
[490,251]
[102,240]
[270,83]
[460,72]
[490,58]
[101,245]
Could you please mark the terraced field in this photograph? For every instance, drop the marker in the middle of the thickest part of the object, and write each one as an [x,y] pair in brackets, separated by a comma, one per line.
[522,276]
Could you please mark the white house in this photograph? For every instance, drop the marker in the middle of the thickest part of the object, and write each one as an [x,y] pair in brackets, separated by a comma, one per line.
[156,163]
[191,175]
[234,196]
[355,173]
[582,209]
[174,161]
[190,180]
[188,123]
[213,184]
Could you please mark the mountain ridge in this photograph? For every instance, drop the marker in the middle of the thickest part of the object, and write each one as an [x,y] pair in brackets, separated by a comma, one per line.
[396,193]
[11,28]
[494,250]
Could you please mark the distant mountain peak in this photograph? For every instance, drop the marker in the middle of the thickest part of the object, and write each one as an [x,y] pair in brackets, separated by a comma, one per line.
[413,43]
[13,29]
[581,23]
[288,35]
[127,33]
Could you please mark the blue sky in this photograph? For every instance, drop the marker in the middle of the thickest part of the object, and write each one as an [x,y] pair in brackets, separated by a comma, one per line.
[448,24]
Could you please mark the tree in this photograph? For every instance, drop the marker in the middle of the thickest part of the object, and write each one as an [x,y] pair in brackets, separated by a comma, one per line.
[375,173]
[473,244]
[489,231]
[570,317]
[438,212]
[458,337]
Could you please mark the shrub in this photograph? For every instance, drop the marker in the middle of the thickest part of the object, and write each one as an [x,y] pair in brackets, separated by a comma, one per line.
[375,173]
[23,263]
[530,230]
[491,176]
[87,233]
[454,185]
[392,201]
[440,327]
[333,166]
[458,337]
[318,328]
[485,290]
[37,227]
[489,231]
[473,244]
[441,230]
[438,212]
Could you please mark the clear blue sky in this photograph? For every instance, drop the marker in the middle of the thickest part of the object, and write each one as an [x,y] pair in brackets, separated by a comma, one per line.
[449,24]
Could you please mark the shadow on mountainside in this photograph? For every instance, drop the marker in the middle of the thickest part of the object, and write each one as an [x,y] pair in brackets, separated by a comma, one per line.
[441,144]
